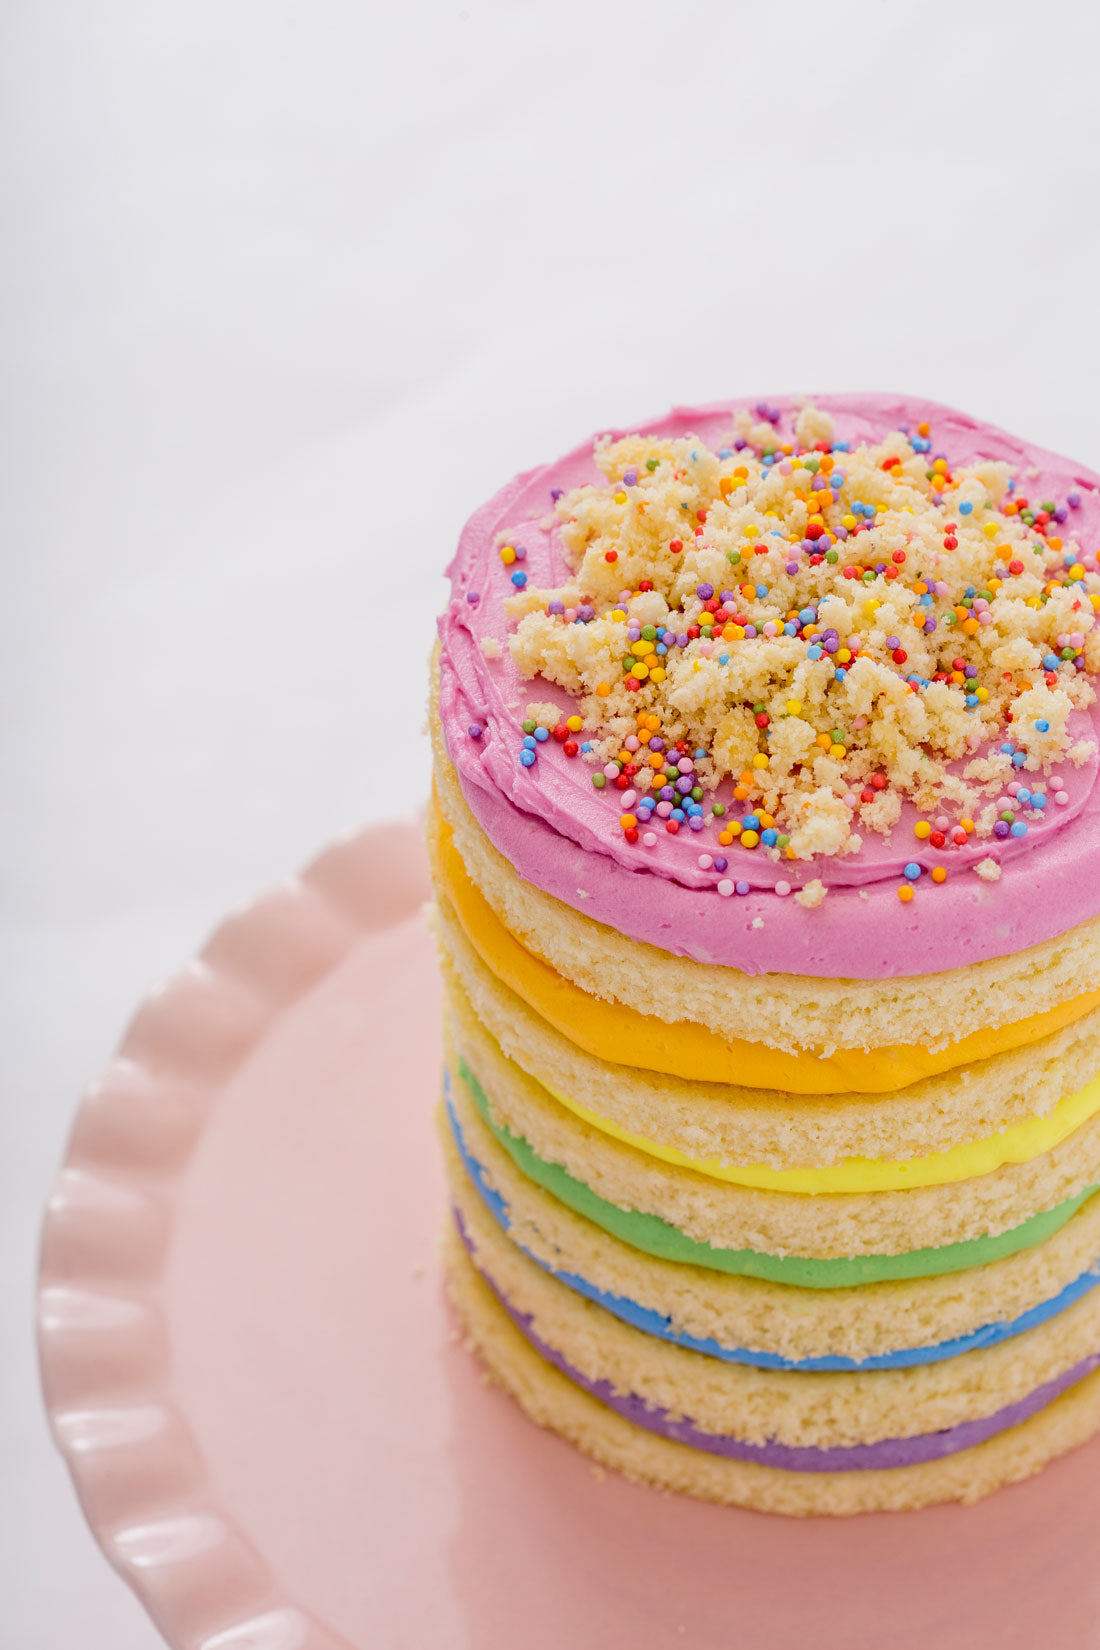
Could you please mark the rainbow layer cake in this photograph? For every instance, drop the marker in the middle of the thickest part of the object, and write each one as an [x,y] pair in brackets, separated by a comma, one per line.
[766,848]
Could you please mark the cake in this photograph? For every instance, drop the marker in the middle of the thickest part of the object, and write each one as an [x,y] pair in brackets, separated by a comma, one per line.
[765,839]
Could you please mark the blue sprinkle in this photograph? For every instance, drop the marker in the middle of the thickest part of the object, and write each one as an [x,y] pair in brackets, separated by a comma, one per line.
[770,838]
[542,735]
[1038,800]
[1019,759]
[761,590]
[912,870]
[1051,661]
[965,507]
[813,652]
[840,675]
[528,742]
[971,701]
[1043,725]
[1007,748]
[527,758]
[723,658]
[725,452]
[678,815]
[750,823]
[519,580]
[587,746]
[700,755]
[1019,829]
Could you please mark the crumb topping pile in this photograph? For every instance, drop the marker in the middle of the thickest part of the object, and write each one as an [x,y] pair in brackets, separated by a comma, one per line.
[833,631]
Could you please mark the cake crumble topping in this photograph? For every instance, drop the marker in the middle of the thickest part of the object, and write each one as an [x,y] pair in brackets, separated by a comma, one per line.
[785,641]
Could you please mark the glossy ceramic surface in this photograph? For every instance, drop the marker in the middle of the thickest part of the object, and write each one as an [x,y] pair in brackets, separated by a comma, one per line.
[273,1430]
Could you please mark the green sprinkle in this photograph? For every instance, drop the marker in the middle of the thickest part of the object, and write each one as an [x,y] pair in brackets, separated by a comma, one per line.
[529,726]
[599,780]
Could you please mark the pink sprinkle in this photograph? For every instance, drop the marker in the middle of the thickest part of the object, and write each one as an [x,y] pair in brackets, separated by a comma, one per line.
[685,764]
[569,615]
[705,862]
[782,888]
[985,617]
[664,809]
[611,770]
[851,799]
[725,887]
[629,798]
[631,743]
[942,822]
[1061,797]
[649,839]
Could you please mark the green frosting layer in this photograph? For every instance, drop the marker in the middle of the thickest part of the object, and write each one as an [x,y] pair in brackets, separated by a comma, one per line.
[658,1237]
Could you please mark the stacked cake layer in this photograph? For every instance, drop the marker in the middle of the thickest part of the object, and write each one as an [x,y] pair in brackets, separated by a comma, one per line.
[778,1187]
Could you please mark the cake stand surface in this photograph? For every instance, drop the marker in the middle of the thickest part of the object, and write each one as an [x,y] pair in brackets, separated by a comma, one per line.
[273,1429]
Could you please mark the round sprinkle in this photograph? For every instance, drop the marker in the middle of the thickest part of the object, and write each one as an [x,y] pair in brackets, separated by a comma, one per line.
[725,887]
[912,870]
[905,893]
[705,862]
[742,887]
[527,758]
[475,730]
[782,889]
[939,874]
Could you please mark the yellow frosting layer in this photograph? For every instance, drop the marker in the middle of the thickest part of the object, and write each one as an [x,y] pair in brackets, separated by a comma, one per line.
[1018,1144]
[624,1036]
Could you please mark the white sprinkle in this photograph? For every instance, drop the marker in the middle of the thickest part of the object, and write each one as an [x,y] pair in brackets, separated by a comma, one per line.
[782,888]
[725,887]
[1061,797]
[650,839]
[705,862]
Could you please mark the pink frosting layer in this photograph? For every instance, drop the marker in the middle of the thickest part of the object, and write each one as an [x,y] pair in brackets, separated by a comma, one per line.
[563,835]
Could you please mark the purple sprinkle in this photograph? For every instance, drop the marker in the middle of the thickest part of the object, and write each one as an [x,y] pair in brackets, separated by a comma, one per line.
[841,532]
[832,645]
[683,784]
[970,671]
[792,567]
[720,863]
[473,597]
[475,730]
[667,794]
[740,444]
[695,823]
[556,493]
[728,597]
[893,642]
[585,614]
[809,546]
[818,484]
[750,630]
[1001,828]
[656,743]
[630,478]
[929,626]
[741,887]
[1073,500]
[1061,514]
[555,607]
[682,639]
[704,592]
[521,552]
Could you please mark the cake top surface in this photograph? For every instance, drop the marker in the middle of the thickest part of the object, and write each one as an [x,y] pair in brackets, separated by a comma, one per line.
[833,647]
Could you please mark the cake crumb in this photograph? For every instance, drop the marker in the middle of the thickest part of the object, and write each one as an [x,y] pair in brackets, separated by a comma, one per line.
[812,895]
[757,922]
[490,647]
[988,869]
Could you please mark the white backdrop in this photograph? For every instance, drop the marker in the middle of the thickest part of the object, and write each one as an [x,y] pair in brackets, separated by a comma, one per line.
[287,290]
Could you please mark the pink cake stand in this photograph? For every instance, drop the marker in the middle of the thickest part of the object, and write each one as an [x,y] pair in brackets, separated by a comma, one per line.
[272,1427]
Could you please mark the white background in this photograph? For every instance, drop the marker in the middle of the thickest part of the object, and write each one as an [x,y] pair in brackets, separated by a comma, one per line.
[288,289]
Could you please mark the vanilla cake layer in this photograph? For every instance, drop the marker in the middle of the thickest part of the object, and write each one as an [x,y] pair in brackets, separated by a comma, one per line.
[553,1401]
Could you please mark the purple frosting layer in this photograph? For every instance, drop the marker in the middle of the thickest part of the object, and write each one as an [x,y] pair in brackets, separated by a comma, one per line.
[887,1452]
[562,835]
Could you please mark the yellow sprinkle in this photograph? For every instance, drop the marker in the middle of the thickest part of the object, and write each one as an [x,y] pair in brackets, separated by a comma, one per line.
[939,874]
[620,498]
[574,724]
[990,531]
[982,695]
[507,555]
[734,828]
[905,893]
[844,654]
[922,828]
[619,616]
[641,648]
[838,750]
[751,530]
[1077,572]
[749,839]
[602,690]
[639,671]
[760,760]
[968,826]
[793,706]
[848,521]
[657,674]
